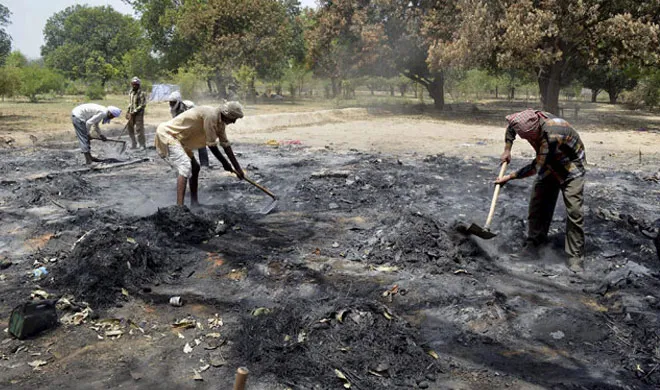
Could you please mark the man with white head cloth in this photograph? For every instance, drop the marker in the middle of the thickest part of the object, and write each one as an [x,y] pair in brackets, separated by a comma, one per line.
[88,116]
[178,106]
[201,126]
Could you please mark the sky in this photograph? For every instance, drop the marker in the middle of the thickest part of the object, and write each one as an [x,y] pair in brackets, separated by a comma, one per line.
[29,18]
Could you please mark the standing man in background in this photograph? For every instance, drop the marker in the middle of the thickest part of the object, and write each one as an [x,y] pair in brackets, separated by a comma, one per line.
[178,106]
[135,114]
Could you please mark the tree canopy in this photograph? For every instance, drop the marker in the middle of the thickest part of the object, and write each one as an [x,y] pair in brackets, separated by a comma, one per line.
[5,39]
[90,42]
[552,38]
[380,38]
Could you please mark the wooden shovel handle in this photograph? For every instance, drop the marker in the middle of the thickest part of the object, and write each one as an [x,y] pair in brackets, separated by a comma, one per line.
[241,378]
[259,186]
[495,194]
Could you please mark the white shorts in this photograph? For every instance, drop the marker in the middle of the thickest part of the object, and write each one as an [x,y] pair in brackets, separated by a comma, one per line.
[177,156]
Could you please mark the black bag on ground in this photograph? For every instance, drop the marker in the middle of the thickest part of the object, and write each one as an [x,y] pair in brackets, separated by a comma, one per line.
[32,318]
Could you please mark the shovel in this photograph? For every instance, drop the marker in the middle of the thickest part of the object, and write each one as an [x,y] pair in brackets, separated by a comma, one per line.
[485,232]
[123,143]
[272,204]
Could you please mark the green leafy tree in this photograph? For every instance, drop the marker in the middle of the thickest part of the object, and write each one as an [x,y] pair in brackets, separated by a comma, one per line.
[553,38]
[5,39]
[381,38]
[37,79]
[647,92]
[90,42]
[10,81]
[295,77]
[139,61]
[246,77]
[159,19]
[16,59]
[229,34]
[612,81]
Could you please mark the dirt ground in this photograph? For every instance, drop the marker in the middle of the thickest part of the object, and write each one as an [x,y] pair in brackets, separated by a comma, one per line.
[358,276]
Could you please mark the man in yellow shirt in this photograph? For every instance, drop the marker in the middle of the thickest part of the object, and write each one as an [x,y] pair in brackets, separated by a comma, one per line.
[201,126]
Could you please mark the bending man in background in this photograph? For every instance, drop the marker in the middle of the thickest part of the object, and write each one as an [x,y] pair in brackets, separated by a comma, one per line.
[202,126]
[88,116]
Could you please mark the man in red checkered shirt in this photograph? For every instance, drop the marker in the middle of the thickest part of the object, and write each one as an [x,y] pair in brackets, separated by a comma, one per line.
[558,166]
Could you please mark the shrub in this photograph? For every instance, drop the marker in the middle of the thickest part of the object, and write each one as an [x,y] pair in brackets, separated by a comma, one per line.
[95,92]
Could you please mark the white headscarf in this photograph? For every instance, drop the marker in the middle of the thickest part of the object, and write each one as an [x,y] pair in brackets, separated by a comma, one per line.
[175,96]
[115,111]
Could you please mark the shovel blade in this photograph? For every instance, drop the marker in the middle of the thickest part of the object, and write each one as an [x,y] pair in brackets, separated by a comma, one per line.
[269,207]
[480,232]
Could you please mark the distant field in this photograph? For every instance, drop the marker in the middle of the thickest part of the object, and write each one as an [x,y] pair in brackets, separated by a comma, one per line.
[50,118]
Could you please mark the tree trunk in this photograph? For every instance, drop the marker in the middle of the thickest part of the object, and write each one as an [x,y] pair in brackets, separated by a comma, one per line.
[252,92]
[549,80]
[614,95]
[594,95]
[436,89]
[496,92]
[220,85]
[391,90]
[333,80]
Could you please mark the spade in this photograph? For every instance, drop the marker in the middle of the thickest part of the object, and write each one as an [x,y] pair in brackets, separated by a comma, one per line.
[268,208]
[484,232]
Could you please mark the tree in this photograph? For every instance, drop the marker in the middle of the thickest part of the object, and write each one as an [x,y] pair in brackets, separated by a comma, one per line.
[37,79]
[5,39]
[246,76]
[229,34]
[16,59]
[10,81]
[89,42]
[159,19]
[554,38]
[382,38]
[610,80]
[295,77]
[139,61]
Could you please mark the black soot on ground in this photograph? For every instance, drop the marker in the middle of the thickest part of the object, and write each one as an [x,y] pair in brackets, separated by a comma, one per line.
[129,255]
[306,343]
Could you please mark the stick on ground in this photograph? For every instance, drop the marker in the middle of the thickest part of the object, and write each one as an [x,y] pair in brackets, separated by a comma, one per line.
[241,378]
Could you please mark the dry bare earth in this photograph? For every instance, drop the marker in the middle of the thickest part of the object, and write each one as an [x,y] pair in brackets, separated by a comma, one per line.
[349,226]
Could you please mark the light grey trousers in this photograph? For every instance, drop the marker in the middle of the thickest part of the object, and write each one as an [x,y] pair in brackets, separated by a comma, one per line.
[81,133]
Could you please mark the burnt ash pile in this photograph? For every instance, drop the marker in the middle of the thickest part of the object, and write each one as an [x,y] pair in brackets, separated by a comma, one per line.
[179,224]
[72,186]
[305,344]
[129,254]
[414,238]
[107,260]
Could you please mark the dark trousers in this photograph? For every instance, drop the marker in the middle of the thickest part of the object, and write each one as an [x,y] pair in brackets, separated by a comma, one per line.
[203,157]
[542,207]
